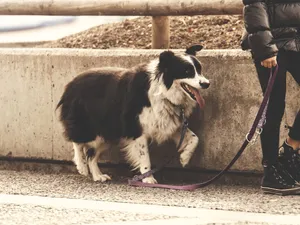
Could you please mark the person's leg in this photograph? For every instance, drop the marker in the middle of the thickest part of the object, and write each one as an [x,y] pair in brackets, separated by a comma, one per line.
[293,67]
[271,129]
[294,134]
[276,180]
[289,154]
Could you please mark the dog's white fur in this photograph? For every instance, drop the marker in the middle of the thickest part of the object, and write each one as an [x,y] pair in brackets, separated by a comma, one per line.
[159,122]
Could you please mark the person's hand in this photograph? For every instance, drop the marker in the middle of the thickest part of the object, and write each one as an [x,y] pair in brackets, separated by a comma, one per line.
[270,62]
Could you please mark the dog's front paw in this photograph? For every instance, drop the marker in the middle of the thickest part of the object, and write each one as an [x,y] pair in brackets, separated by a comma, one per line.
[150,180]
[101,177]
[185,157]
[82,169]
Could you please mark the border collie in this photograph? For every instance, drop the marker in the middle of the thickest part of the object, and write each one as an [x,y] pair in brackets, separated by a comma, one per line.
[131,107]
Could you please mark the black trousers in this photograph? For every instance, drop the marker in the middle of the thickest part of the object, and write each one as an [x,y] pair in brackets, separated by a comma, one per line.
[287,61]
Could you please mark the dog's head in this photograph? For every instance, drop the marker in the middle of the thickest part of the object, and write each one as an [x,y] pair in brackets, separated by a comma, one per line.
[182,76]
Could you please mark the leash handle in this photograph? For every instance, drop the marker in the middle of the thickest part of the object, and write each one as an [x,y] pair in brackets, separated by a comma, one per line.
[258,123]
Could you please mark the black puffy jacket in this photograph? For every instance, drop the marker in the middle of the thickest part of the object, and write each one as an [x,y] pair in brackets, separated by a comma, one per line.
[271,25]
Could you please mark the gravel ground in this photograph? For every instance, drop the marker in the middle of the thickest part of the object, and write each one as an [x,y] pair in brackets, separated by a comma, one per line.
[214,32]
[225,197]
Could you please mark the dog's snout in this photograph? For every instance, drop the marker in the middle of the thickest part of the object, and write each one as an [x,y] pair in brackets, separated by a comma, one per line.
[204,85]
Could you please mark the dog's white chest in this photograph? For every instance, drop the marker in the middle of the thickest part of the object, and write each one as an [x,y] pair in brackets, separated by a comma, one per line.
[159,125]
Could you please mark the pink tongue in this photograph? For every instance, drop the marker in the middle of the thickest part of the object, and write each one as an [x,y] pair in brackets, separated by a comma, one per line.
[199,98]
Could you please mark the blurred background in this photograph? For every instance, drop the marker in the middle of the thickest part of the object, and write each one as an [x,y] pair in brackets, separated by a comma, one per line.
[21,29]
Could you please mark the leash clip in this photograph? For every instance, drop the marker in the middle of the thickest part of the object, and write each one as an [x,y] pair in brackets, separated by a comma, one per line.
[255,136]
[185,121]
[136,178]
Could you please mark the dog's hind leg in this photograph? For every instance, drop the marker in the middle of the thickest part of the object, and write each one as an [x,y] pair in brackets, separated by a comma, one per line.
[188,146]
[80,159]
[137,154]
[93,155]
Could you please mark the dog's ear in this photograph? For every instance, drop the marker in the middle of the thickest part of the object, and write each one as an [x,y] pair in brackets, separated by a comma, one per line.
[165,58]
[192,50]
[165,62]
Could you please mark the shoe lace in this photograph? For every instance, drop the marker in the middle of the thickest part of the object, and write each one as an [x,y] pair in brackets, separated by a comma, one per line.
[297,153]
[278,176]
[296,160]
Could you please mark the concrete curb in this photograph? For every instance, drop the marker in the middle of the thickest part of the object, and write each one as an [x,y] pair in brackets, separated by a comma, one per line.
[33,79]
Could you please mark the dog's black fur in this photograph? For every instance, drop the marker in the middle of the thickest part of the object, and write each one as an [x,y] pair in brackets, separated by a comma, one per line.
[130,106]
[104,103]
[107,103]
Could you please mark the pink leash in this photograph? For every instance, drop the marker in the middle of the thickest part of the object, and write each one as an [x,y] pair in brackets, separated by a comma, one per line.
[256,128]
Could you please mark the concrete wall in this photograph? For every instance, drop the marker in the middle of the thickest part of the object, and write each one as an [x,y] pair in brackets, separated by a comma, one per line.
[32,81]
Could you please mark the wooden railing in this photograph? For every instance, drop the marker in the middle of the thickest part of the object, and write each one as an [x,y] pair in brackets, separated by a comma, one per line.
[160,10]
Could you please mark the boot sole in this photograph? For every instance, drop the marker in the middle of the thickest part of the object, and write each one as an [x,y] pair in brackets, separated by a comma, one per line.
[283,192]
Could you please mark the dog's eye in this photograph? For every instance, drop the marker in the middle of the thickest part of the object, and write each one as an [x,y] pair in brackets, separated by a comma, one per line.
[189,71]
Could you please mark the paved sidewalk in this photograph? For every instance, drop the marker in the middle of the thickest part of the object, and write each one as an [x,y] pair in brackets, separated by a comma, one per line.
[28,197]
[73,211]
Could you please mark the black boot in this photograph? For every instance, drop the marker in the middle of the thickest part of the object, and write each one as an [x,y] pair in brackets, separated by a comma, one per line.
[290,159]
[277,181]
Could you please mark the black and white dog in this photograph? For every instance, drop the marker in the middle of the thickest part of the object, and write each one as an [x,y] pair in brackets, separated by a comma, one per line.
[104,106]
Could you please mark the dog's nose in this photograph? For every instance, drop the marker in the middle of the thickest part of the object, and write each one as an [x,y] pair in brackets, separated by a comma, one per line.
[204,85]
